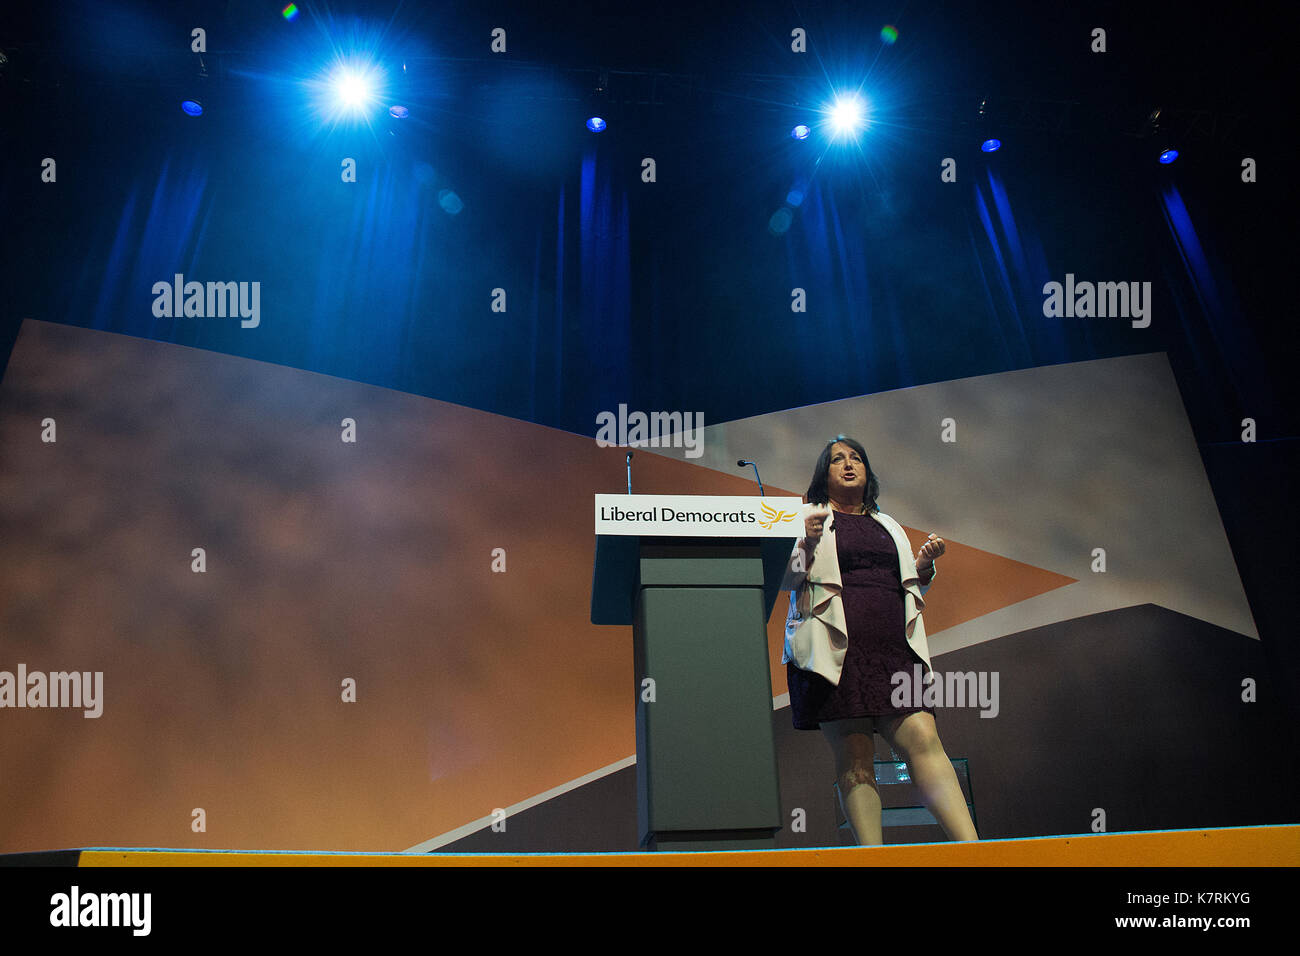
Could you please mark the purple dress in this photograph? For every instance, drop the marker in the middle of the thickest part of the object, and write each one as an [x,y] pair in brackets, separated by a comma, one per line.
[874,618]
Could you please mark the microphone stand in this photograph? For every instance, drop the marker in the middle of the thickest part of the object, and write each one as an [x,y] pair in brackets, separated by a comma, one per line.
[742,463]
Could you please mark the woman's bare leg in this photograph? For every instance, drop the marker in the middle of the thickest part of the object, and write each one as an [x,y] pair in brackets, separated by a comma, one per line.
[854,747]
[917,739]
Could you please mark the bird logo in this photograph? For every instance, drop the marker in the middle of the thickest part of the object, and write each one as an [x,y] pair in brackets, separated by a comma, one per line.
[774,517]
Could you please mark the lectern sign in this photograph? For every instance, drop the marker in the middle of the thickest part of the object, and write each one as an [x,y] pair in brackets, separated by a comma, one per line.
[726,516]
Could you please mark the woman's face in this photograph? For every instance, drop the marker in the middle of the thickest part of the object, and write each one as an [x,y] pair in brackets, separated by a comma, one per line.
[847,479]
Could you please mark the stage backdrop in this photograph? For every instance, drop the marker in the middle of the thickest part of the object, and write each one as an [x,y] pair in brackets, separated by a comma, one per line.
[308,642]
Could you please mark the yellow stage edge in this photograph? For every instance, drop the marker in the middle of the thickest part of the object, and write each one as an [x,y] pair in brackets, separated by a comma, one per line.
[1262,846]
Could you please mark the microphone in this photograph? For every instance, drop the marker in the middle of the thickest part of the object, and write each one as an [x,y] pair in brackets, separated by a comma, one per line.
[629,473]
[742,463]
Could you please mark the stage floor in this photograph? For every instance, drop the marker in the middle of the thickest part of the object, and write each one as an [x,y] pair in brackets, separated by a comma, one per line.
[1236,846]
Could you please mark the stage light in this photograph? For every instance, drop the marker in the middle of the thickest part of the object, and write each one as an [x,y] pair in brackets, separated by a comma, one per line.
[888,34]
[595,124]
[349,88]
[192,107]
[353,88]
[848,115]
[800,132]
[290,12]
[1168,156]
[398,112]
[991,145]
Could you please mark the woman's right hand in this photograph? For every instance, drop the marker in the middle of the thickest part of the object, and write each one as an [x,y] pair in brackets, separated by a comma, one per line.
[814,524]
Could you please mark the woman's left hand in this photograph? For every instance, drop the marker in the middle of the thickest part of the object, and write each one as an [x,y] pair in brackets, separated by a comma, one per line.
[932,548]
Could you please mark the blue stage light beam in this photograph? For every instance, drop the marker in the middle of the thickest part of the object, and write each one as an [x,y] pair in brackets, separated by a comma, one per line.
[848,115]
[350,89]
[354,87]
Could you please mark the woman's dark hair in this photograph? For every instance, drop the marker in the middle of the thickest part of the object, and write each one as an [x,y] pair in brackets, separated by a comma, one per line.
[818,490]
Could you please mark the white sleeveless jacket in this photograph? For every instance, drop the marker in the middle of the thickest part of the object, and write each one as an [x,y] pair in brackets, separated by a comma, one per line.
[815,635]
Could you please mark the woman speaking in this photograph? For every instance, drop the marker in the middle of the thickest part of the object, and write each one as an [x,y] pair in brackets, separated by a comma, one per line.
[854,622]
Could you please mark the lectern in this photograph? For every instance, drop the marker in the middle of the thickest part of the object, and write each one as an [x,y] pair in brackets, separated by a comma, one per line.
[697,576]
